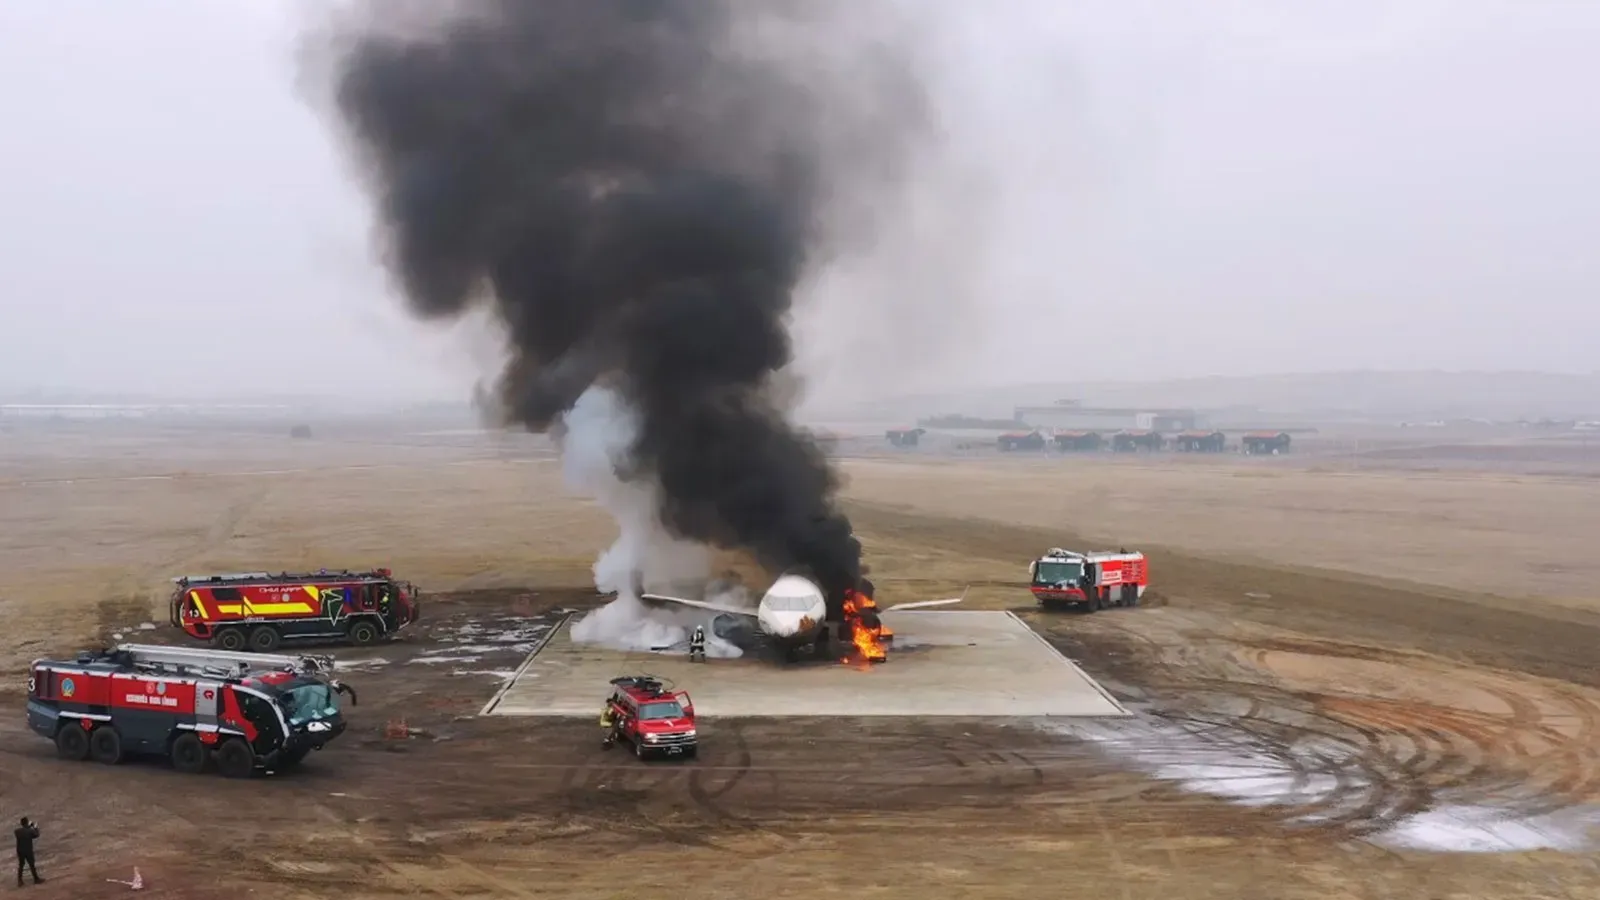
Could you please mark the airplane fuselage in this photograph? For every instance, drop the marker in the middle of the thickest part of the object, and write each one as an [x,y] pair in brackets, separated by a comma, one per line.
[793,613]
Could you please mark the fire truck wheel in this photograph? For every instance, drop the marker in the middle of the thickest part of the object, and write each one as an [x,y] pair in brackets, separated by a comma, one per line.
[264,639]
[235,759]
[105,745]
[638,748]
[72,742]
[189,754]
[229,639]
[363,633]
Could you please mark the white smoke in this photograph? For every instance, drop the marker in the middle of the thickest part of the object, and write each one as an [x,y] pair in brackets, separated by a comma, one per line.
[596,441]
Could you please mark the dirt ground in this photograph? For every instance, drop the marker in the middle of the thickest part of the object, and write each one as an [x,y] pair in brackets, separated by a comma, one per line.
[1300,732]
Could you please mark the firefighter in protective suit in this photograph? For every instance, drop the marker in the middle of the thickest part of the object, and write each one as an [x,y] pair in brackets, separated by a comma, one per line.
[697,645]
[608,721]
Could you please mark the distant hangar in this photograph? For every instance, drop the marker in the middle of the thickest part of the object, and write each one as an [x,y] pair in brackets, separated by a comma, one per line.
[1070,416]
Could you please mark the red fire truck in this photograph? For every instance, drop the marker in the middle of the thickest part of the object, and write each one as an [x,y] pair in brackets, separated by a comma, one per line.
[1095,580]
[258,610]
[246,711]
[651,718]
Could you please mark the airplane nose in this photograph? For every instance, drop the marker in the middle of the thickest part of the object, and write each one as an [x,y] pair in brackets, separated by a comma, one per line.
[781,623]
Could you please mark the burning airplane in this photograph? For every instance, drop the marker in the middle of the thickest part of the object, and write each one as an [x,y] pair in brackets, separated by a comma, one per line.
[634,193]
[793,614]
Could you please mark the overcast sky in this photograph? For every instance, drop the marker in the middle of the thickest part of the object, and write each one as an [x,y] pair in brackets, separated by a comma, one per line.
[1169,189]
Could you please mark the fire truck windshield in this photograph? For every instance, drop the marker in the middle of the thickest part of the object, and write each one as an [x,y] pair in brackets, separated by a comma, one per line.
[1058,572]
[661,709]
[308,701]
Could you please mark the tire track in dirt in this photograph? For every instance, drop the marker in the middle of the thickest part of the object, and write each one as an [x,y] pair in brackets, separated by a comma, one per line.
[1325,772]
[619,794]
[708,798]
[1361,763]
[127,600]
[1545,741]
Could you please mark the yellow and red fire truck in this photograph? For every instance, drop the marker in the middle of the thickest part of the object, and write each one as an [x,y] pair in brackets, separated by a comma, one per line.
[258,610]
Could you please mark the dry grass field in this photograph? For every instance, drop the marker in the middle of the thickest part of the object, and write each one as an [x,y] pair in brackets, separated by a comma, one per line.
[1388,659]
[1511,534]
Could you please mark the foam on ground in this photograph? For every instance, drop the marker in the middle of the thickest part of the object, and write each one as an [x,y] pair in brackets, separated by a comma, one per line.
[943,663]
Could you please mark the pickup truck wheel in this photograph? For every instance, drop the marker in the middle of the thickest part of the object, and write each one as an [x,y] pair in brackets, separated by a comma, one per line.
[72,742]
[105,745]
[189,754]
[235,759]
[229,639]
[363,632]
[265,639]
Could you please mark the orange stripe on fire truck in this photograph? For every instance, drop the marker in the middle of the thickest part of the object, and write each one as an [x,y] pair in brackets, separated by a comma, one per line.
[262,609]
[269,609]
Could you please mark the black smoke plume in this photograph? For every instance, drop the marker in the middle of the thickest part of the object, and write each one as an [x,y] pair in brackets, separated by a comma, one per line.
[637,188]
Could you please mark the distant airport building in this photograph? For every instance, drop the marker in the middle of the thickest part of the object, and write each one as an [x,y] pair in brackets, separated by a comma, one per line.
[1265,443]
[905,437]
[1068,415]
[1200,442]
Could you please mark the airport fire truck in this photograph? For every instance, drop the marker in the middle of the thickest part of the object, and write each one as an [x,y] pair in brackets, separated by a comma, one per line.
[259,610]
[247,712]
[651,718]
[1093,580]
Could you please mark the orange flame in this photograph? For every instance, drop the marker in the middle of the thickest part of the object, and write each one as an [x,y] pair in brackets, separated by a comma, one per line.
[867,638]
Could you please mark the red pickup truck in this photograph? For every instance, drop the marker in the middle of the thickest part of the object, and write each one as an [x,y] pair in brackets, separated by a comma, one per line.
[657,722]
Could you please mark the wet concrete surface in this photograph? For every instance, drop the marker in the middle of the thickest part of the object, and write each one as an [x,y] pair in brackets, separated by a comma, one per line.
[942,663]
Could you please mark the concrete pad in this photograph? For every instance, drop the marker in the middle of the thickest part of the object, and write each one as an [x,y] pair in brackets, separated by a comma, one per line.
[942,663]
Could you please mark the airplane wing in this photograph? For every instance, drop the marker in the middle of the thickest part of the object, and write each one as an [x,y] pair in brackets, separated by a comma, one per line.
[920,604]
[702,604]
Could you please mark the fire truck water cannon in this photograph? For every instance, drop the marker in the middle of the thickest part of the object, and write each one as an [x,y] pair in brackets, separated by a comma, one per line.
[246,712]
[1094,580]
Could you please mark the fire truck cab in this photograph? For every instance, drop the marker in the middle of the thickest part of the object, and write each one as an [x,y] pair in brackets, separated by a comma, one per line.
[258,610]
[246,711]
[653,720]
[1094,580]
